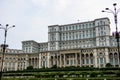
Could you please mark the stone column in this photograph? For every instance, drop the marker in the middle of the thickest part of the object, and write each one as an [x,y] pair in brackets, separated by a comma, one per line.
[64,61]
[107,55]
[80,60]
[48,60]
[103,61]
[85,61]
[76,59]
[89,61]
[60,61]
[16,65]
[39,58]
[113,60]
[27,61]
[95,58]
[54,60]
[118,61]
[57,60]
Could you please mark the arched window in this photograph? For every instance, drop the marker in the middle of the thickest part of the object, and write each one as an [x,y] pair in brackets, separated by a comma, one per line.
[32,58]
[91,55]
[111,58]
[82,55]
[115,55]
[101,54]
[110,55]
[87,55]
[29,58]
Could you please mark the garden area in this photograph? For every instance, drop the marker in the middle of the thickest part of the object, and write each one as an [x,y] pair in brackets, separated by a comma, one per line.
[67,73]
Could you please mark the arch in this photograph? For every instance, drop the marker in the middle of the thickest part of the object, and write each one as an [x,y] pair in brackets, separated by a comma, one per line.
[29,58]
[115,55]
[91,55]
[87,55]
[82,55]
[18,58]
[101,54]
[110,55]
[32,58]
[51,57]
[35,58]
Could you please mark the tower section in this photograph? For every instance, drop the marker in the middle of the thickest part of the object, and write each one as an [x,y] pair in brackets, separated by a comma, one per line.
[102,28]
[53,38]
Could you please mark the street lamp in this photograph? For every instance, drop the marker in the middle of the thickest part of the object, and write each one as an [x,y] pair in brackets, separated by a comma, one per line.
[5,28]
[116,33]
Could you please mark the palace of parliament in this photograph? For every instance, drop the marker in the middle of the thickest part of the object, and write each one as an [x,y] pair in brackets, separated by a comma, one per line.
[87,44]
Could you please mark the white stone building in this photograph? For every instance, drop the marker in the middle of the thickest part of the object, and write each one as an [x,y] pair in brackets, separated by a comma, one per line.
[79,44]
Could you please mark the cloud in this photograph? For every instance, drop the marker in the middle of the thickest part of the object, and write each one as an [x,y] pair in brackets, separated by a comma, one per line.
[40,2]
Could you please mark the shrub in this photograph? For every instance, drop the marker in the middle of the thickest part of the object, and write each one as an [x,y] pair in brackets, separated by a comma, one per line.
[93,74]
[108,65]
[30,68]
[118,74]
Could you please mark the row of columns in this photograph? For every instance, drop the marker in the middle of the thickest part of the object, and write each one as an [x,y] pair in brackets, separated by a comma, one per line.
[61,60]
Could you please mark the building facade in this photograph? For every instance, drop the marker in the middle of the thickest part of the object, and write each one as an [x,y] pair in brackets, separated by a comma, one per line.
[78,44]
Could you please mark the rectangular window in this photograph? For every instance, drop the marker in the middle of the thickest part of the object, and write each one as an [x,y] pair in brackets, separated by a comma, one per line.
[111,61]
[71,62]
[91,61]
[83,61]
[116,61]
[87,61]
[67,61]
[101,60]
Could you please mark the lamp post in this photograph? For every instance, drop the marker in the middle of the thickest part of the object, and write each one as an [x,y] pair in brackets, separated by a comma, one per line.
[5,28]
[116,33]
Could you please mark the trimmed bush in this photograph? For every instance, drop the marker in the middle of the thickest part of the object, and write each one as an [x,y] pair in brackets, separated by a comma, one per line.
[118,74]
[93,74]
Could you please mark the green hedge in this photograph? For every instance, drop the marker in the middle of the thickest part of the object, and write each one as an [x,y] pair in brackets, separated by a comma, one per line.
[64,69]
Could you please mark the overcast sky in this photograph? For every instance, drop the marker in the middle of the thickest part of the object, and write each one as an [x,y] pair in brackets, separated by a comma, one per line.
[32,17]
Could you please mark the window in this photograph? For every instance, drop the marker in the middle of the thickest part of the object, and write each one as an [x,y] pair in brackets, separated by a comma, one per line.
[101,54]
[86,25]
[63,28]
[69,27]
[87,61]
[116,61]
[67,61]
[66,28]
[91,61]
[89,24]
[83,61]
[111,61]
[79,26]
[76,27]
[76,36]
[101,60]
[101,22]
[71,62]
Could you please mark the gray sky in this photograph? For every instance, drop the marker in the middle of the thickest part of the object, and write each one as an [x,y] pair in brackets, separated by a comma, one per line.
[32,17]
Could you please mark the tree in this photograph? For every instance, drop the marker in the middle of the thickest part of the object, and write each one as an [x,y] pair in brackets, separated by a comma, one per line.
[29,67]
